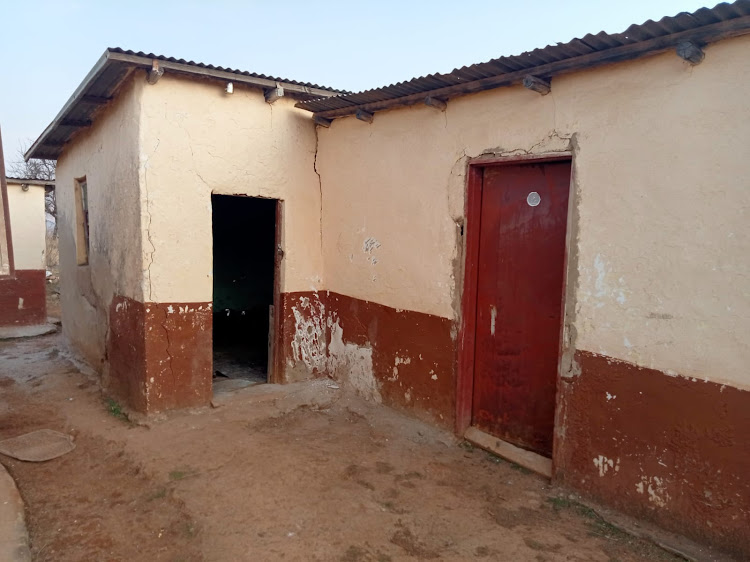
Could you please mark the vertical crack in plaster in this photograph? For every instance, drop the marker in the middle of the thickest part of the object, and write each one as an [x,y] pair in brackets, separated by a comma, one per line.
[150,218]
[320,187]
[169,354]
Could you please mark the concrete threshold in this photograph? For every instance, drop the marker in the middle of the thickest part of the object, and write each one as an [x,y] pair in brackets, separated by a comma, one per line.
[534,462]
[13,332]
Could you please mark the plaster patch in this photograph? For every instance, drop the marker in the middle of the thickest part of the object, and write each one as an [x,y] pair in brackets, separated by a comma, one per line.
[352,363]
[20,303]
[602,288]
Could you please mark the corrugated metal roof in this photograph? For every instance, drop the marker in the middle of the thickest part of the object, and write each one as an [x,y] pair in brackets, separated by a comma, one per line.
[702,26]
[220,68]
[102,82]
[30,181]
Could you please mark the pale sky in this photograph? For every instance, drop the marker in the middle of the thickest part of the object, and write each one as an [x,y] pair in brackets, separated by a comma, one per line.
[47,47]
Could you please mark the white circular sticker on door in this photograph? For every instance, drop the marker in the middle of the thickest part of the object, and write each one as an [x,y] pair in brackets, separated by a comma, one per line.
[533,199]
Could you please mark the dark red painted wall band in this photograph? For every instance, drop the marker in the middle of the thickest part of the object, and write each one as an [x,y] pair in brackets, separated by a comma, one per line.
[126,352]
[664,448]
[160,354]
[23,298]
[413,354]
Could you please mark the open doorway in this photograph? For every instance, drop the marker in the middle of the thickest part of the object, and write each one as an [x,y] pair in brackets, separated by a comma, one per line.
[244,271]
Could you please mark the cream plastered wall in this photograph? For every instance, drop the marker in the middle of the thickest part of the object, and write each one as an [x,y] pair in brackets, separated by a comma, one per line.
[107,155]
[662,237]
[197,140]
[28,225]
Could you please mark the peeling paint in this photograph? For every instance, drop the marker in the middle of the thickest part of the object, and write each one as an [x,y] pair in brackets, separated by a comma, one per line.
[352,363]
[308,344]
[655,488]
[369,245]
[604,465]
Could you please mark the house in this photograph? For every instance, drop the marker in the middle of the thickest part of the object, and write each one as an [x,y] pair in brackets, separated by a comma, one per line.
[546,253]
[23,300]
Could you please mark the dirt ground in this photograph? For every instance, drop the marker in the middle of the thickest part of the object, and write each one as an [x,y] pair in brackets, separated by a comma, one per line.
[53,298]
[299,472]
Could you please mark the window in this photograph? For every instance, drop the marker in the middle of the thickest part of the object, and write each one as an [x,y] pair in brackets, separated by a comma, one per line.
[82,221]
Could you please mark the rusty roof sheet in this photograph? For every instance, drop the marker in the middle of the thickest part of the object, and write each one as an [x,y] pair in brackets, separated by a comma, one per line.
[489,74]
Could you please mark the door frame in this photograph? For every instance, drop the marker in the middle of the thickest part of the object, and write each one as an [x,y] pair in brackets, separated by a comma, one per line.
[467,325]
[275,375]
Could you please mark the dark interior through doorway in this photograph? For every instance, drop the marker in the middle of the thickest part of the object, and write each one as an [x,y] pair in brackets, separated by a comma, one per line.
[244,239]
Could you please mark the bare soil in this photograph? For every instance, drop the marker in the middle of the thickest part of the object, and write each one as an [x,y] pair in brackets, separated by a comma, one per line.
[53,297]
[299,472]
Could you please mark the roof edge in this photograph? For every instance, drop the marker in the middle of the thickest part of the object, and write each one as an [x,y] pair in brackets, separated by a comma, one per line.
[77,95]
[29,181]
[145,61]
[348,104]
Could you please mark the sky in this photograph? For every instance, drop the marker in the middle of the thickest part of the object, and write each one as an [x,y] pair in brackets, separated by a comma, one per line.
[48,47]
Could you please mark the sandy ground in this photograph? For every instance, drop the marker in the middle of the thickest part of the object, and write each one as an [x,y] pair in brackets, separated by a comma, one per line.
[299,472]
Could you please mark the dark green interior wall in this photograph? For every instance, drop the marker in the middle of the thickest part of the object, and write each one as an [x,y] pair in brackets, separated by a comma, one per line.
[244,231]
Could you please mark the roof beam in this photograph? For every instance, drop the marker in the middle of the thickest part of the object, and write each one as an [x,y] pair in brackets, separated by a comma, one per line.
[273,94]
[436,103]
[94,100]
[364,116]
[74,123]
[690,52]
[706,34]
[322,121]
[535,84]
[155,73]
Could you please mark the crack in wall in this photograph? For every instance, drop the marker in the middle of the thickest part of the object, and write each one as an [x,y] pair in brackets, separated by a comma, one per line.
[169,354]
[150,219]
[320,187]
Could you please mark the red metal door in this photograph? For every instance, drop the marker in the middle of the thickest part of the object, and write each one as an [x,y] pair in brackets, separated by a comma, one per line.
[524,215]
